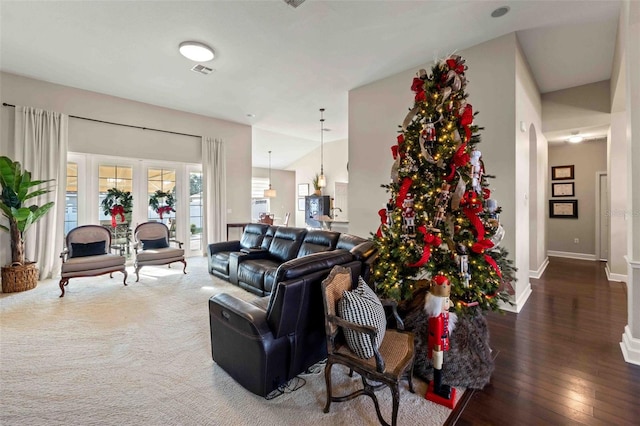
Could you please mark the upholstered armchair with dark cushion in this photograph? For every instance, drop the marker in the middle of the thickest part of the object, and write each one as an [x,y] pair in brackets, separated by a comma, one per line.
[152,247]
[87,255]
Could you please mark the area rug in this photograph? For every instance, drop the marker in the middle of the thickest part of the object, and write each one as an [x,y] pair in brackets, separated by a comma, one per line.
[107,354]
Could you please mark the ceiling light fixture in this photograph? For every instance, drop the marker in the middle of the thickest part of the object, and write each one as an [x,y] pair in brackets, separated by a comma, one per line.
[322,180]
[501,11]
[196,51]
[575,137]
[270,193]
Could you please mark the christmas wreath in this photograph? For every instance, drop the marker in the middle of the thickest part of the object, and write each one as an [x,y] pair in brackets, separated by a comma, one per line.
[168,202]
[116,203]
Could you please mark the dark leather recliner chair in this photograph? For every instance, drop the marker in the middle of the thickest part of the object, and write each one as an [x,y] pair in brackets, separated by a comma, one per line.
[218,258]
[265,343]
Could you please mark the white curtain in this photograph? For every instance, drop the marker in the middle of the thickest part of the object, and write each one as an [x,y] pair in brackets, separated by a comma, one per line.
[214,177]
[40,145]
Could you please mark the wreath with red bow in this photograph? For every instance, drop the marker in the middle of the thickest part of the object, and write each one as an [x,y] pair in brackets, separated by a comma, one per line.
[116,203]
[166,198]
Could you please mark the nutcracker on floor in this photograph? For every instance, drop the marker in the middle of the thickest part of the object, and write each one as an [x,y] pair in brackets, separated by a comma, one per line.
[441,324]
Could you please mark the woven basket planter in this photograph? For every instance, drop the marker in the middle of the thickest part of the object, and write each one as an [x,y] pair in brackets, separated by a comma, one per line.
[18,277]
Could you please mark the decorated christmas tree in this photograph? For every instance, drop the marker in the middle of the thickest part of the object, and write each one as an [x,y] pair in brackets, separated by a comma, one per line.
[440,218]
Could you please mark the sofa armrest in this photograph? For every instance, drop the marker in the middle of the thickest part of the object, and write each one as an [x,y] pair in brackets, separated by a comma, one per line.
[310,263]
[242,316]
[223,246]
[364,251]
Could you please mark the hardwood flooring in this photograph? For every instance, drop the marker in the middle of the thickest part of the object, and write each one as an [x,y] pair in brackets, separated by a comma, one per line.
[559,361]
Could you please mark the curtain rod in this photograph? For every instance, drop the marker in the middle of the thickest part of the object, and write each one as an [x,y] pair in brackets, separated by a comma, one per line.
[120,124]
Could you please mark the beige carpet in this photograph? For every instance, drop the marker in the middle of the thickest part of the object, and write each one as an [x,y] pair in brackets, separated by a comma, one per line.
[106,354]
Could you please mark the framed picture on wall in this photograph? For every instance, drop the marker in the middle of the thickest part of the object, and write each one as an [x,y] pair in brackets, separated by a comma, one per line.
[563,209]
[562,172]
[301,204]
[303,190]
[565,189]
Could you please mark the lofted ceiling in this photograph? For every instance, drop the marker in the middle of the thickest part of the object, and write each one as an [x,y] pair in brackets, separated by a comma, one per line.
[281,64]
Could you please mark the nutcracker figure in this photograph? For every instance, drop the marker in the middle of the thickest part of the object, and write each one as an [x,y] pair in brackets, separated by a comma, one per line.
[408,216]
[441,324]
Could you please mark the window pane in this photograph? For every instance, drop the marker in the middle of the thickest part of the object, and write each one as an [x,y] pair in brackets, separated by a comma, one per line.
[120,178]
[71,200]
[195,210]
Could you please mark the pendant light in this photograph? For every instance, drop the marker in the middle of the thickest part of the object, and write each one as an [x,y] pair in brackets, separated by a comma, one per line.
[269,193]
[322,180]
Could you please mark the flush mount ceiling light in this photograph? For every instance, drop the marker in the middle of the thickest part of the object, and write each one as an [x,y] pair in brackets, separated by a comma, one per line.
[196,51]
[501,11]
[575,137]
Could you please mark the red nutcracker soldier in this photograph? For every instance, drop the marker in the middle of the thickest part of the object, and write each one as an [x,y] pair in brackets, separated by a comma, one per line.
[441,324]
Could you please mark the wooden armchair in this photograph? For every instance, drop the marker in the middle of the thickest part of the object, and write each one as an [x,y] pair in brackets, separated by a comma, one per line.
[390,361]
[152,247]
[87,254]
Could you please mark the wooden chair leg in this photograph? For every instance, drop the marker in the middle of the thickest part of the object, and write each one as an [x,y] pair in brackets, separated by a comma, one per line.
[124,281]
[327,379]
[138,275]
[395,394]
[184,270]
[63,282]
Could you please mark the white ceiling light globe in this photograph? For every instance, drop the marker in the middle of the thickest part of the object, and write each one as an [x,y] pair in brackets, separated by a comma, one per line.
[198,52]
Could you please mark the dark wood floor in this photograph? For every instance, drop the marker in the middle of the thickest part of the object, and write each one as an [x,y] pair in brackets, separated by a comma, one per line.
[559,361]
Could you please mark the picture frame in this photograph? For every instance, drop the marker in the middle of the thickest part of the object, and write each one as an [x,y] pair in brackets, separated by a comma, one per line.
[303,190]
[562,172]
[563,209]
[301,204]
[563,189]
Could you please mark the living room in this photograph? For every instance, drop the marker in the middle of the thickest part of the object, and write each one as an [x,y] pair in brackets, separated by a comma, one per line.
[496,67]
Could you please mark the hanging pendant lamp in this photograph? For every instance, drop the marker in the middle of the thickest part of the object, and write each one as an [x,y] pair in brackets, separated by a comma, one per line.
[322,180]
[269,193]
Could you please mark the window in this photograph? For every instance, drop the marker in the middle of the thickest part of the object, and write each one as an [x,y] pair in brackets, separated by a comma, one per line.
[195,210]
[160,179]
[71,203]
[113,176]
[259,204]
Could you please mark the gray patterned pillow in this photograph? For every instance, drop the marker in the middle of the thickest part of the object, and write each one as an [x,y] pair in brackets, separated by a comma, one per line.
[361,306]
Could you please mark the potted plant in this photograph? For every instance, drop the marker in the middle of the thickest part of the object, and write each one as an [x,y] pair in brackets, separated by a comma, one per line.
[17,188]
[316,185]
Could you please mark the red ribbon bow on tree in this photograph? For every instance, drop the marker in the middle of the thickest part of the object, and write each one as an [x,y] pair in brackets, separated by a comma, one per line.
[456,65]
[430,240]
[116,210]
[383,221]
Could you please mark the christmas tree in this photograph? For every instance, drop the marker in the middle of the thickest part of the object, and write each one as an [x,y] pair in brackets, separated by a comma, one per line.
[440,218]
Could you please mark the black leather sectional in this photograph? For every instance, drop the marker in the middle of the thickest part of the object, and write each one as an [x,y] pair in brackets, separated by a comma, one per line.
[265,343]
[260,258]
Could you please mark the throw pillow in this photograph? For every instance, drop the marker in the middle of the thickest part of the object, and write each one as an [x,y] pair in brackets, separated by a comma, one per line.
[154,244]
[362,306]
[88,249]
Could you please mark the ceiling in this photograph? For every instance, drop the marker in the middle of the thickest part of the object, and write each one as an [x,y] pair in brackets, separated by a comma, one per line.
[282,64]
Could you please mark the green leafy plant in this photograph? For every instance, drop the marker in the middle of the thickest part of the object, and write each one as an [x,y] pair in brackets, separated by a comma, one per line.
[17,188]
[316,182]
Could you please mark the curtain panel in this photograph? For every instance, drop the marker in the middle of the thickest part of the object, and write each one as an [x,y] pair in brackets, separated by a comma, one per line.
[40,145]
[214,177]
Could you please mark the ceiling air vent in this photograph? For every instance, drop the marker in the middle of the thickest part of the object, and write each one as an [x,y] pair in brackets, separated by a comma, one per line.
[294,3]
[202,69]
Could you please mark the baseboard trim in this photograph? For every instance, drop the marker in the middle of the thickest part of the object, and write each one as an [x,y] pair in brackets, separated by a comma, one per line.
[570,255]
[537,274]
[519,304]
[614,277]
[630,347]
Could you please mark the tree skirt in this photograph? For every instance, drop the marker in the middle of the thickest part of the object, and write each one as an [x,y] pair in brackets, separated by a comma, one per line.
[468,362]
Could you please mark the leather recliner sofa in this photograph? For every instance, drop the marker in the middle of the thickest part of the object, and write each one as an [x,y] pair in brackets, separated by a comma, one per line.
[259,259]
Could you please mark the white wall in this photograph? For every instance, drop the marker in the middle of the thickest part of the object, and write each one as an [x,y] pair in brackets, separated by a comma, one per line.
[98,138]
[283,181]
[617,189]
[531,158]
